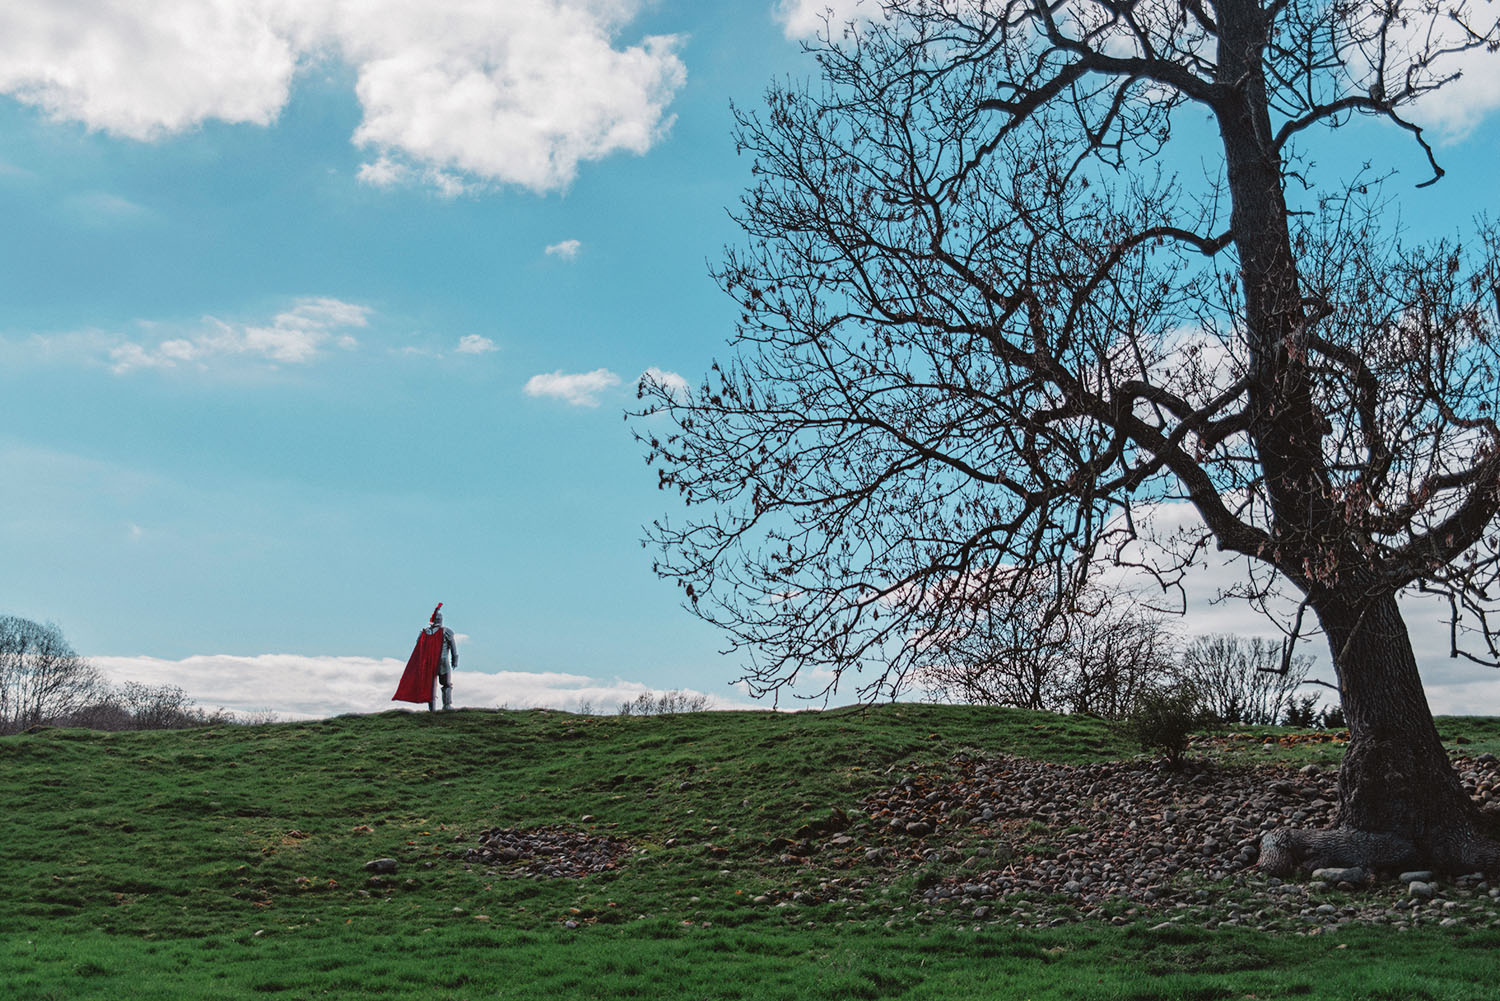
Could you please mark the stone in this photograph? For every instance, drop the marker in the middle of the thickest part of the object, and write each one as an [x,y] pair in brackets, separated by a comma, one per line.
[1421,876]
[381,865]
[1334,875]
[1418,890]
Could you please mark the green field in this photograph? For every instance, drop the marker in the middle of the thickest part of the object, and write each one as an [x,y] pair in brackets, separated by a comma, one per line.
[228,863]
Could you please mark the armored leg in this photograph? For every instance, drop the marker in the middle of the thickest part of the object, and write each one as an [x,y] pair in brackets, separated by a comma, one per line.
[446,679]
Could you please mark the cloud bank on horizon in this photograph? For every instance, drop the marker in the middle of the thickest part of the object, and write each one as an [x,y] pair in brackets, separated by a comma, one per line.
[516,93]
[295,686]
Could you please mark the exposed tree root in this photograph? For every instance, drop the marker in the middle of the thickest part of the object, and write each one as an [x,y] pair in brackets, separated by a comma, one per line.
[1289,850]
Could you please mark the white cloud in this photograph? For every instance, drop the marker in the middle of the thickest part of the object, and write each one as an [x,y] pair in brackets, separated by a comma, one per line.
[100,208]
[474,344]
[566,249]
[383,173]
[1474,698]
[446,183]
[144,70]
[307,687]
[9,171]
[673,383]
[805,18]
[519,92]
[294,337]
[580,389]
[1454,110]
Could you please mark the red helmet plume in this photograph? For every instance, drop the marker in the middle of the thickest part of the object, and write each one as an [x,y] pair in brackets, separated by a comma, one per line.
[433,617]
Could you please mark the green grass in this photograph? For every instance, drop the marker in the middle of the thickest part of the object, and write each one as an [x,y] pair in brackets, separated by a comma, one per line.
[226,863]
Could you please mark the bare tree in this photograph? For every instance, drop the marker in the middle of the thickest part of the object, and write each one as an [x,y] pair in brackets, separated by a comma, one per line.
[670,703]
[163,707]
[1096,659]
[42,679]
[1122,652]
[989,330]
[1243,679]
[1014,655]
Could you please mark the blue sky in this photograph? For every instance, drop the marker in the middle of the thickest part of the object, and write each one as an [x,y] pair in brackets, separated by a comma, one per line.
[309,321]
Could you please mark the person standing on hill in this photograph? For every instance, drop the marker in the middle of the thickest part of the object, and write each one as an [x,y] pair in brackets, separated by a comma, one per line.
[433,661]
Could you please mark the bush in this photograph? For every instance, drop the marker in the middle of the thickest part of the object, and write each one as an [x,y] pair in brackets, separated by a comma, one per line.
[1302,713]
[135,706]
[1333,718]
[1164,719]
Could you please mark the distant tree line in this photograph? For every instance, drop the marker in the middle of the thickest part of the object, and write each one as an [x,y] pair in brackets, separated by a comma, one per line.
[670,703]
[1110,655]
[45,682]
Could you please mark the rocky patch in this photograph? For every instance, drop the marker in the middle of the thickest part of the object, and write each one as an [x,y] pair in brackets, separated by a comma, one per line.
[549,852]
[1041,843]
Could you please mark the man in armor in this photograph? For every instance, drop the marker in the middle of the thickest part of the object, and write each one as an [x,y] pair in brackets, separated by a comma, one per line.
[447,660]
[432,663]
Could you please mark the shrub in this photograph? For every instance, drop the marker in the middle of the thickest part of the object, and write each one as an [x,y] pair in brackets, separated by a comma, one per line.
[1163,720]
[135,706]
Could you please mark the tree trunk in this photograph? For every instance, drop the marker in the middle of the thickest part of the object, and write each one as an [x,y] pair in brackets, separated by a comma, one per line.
[1401,804]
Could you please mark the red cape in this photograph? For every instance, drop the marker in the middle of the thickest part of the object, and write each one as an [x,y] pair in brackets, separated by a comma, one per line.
[416,680]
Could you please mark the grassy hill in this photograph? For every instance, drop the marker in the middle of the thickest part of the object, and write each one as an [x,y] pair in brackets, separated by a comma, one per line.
[229,862]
